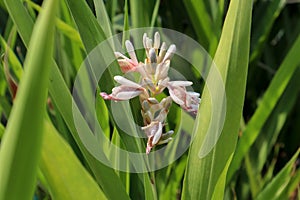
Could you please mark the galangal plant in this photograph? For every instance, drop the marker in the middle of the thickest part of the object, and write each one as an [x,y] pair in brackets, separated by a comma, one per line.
[244,144]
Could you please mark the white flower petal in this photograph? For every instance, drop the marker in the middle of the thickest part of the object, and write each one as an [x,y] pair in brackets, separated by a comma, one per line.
[152,55]
[194,94]
[148,82]
[157,134]
[167,134]
[173,93]
[124,81]
[130,50]
[166,102]
[170,52]
[145,40]
[188,101]
[164,82]
[128,94]
[141,69]
[126,66]
[151,129]
[120,55]
[180,83]
[148,43]
[162,70]
[162,52]
[156,40]
[165,141]
[158,71]
[148,148]
[152,100]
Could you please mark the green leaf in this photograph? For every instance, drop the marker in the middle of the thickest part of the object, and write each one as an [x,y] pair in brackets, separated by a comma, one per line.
[92,35]
[103,18]
[202,23]
[2,129]
[65,175]
[267,104]
[21,20]
[155,12]
[66,29]
[126,35]
[206,174]
[274,189]
[139,10]
[105,176]
[172,182]
[264,16]
[12,59]
[271,129]
[21,145]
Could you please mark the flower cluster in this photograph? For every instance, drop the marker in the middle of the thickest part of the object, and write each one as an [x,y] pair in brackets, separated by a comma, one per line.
[154,79]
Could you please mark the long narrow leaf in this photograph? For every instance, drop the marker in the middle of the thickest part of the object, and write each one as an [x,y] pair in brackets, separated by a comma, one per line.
[62,97]
[21,145]
[103,18]
[67,178]
[92,35]
[205,30]
[269,101]
[269,133]
[139,10]
[265,17]
[280,182]
[206,176]
[2,129]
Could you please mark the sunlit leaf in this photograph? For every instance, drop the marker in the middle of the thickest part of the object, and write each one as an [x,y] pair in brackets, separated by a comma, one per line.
[21,145]
[206,174]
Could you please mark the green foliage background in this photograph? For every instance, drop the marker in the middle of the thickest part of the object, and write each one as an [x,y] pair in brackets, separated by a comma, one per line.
[256,48]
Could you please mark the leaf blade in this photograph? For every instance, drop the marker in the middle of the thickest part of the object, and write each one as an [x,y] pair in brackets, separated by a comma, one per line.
[67,178]
[23,132]
[269,101]
[202,175]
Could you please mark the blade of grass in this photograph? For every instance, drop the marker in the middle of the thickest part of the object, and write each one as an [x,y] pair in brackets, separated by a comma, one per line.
[126,35]
[111,7]
[66,29]
[269,101]
[21,145]
[92,35]
[5,106]
[103,18]
[259,152]
[270,132]
[106,177]
[12,59]
[154,13]
[265,17]
[293,185]
[67,178]
[174,182]
[205,177]
[139,13]
[2,129]
[20,19]
[3,88]
[274,189]
[202,24]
